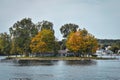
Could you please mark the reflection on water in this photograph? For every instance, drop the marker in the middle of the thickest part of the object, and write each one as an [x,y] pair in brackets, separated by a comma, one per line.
[20,79]
[81,62]
[60,70]
[36,62]
[55,62]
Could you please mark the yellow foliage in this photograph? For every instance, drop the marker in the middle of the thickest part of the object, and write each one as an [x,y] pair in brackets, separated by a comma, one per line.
[81,41]
[43,42]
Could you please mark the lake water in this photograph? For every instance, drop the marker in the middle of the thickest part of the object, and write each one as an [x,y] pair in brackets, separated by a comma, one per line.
[61,70]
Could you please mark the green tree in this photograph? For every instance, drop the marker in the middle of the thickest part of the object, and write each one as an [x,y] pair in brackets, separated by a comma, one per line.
[67,28]
[63,44]
[56,47]
[21,34]
[115,47]
[44,25]
[5,44]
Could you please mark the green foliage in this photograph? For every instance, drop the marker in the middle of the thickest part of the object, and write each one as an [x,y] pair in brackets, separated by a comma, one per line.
[56,47]
[115,47]
[63,44]
[115,44]
[67,28]
[109,42]
[21,34]
[25,37]
[44,25]
[5,44]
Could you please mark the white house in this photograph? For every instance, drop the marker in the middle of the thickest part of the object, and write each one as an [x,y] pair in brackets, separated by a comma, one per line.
[118,51]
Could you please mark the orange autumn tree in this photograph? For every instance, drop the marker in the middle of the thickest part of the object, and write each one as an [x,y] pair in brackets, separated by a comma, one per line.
[91,43]
[81,42]
[43,42]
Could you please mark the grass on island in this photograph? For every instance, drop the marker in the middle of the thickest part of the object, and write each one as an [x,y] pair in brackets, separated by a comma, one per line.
[61,58]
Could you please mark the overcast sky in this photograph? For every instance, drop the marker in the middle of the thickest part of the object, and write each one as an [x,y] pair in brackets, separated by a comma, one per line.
[100,17]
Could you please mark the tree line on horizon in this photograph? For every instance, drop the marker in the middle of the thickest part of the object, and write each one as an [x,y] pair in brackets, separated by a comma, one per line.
[114,43]
[28,38]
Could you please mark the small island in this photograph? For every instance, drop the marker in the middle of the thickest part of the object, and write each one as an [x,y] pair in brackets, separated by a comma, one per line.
[60,40]
[38,42]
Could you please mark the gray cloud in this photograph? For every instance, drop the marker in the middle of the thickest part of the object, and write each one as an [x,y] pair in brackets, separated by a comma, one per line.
[99,17]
